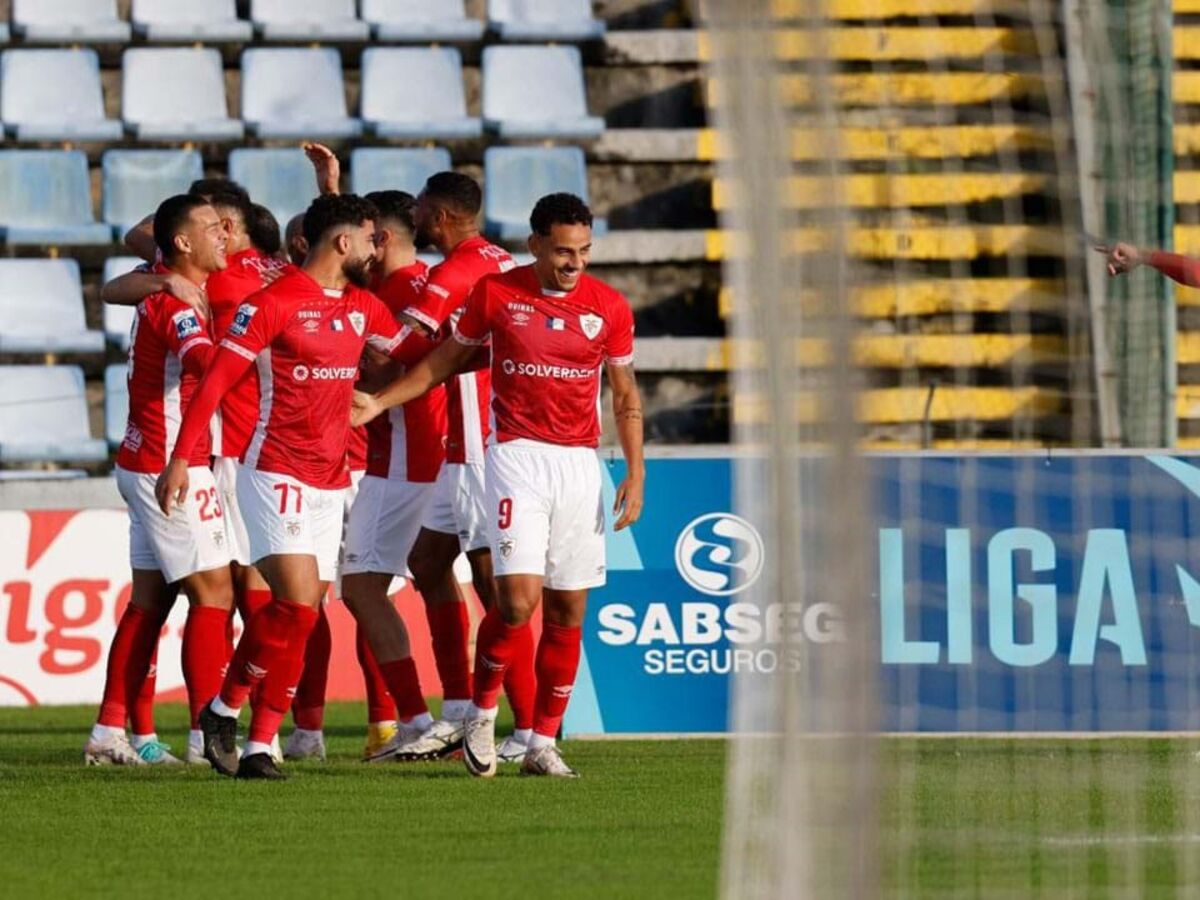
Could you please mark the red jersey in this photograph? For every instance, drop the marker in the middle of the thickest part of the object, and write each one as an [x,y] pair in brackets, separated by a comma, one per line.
[409,443]
[467,396]
[547,351]
[242,276]
[169,348]
[306,342]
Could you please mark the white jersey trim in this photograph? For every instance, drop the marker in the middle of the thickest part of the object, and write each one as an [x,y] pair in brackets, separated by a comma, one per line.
[239,350]
[266,397]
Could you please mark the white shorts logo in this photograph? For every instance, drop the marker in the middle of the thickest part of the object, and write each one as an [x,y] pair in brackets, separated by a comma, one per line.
[719,554]
[507,546]
[591,325]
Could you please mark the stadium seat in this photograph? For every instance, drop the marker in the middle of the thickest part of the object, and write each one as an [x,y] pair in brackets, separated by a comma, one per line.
[280,179]
[420,21]
[116,403]
[136,181]
[544,20]
[296,93]
[516,177]
[44,415]
[68,21]
[45,199]
[431,106]
[5,37]
[312,20]
[118,320]
[395,168]
[214,21]
[153,82]
[41,308]
[536,92]
[54,95]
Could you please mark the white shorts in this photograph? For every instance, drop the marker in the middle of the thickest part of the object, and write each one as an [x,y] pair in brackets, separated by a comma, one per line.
[225,470]
[384,522]
[187,541]
[356,477]
[546,513]
[286,516]
[458,505]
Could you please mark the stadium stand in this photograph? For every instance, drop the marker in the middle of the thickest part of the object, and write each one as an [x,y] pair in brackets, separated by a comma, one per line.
[296,93]
[544,20]
[116,403]
[44,416]
[41,308]
[136,181]
[400,168]
[174,21]
[118,320]
[536,92]
[152,82]
[68,21]
[312,20]
[515,177]
[45,199]
[433,106]
[54,95]
[281,180]
[420,21]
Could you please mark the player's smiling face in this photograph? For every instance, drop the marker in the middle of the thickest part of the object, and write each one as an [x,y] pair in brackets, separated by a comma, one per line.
[207,238]
[561,256]
[360,254]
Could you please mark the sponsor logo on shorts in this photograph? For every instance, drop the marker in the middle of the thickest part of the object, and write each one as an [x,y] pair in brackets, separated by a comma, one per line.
[591,325]
[241,320]
[186,324]
[351,557]
[542,370]
[507,546]
[300,373]
[357,321]
[292,527]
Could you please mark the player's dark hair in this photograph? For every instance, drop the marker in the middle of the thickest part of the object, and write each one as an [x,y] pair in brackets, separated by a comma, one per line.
[263,229]
[455,191]
[172,214]
[206,187]
[230,201]
[559,209]
[333,211]
[397,207]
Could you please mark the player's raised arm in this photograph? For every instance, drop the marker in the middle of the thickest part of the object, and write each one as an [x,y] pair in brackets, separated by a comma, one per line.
[132,288]
[1122,257]
[326,167]
[140,239]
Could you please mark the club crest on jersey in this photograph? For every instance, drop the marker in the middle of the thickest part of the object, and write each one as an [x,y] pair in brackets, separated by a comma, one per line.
[241,321]
[357,321]
[186,324]
[591,325]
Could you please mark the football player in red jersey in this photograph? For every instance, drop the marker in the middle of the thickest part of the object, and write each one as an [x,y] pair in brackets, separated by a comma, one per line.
[552,328]
[170,346]
[305,335]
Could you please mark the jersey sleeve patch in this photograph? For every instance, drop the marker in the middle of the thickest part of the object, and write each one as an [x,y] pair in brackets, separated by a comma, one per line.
[241,320]
[187,324]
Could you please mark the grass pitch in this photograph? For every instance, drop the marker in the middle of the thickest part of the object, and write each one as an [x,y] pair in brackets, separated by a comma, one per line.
[960,817]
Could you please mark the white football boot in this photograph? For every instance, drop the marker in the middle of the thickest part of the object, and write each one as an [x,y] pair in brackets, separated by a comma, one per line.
[302,744]
[405,733]
[438,741]
[511,750]
[479,746]
[546,760]
[112,751]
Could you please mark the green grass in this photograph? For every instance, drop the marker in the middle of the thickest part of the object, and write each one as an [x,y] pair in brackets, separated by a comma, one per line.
[1048,818]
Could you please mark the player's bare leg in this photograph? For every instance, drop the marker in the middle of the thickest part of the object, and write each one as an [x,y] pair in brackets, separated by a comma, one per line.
[206,647]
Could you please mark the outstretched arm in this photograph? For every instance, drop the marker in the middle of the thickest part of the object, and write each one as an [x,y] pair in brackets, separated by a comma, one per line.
[326,167]
[132,288]
[1122,257]
[627,408]
[448,358]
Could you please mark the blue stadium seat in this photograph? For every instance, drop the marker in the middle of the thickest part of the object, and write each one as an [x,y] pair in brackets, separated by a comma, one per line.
[297,93]
[420,21]
[280,179]
[312,20]
[68,21]
[116,403]
[118,320]
[41,308]
[136,181]
[44,416]
[544,20]
[395,168]
[536,92]
[54,95]
[45,199]
[515,178]
[5,37]
[187,21]
[431,105]
[154,80]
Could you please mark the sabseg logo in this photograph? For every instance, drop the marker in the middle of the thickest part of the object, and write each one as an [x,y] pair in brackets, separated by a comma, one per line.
[719,554]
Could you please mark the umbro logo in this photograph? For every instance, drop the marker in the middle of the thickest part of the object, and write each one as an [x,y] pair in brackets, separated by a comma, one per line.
[255,671]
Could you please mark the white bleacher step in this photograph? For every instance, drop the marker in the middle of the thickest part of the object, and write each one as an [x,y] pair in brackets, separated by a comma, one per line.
[647,145]
[652,47]
[649,246]
[680,354]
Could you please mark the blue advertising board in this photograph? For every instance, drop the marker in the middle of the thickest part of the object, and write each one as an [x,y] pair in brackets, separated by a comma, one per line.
[1040,592]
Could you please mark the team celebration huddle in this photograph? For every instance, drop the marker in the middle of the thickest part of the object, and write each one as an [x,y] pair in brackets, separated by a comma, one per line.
[319,409]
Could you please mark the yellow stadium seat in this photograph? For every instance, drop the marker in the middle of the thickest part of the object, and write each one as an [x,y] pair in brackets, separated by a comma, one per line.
[944,242]
[872,89]
[882,44]
[892,9]
[878,190]
[884,406]
[1186,87]
[906,351]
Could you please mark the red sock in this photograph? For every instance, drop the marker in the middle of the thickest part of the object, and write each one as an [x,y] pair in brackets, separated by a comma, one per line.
[129,658]
[557,663]
[249,602]
[205,656]
[263,643]
[449,625]
[141,710]
[292,624]
[400,675]
[496,645]
[308,710]
[520,681]
[380,705]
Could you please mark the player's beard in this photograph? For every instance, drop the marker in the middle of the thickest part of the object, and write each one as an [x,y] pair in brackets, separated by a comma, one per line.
[422,239]
[358,272]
